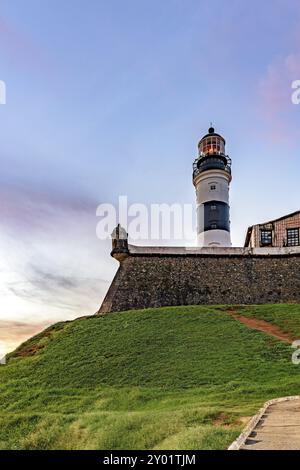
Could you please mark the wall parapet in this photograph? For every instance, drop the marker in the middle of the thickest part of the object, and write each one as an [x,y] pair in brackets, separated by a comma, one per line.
[213,251]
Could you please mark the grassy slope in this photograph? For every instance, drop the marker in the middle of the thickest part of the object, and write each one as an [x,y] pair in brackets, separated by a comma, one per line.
[179,377]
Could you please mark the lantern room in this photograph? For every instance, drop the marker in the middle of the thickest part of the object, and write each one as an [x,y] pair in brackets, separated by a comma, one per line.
[211,144]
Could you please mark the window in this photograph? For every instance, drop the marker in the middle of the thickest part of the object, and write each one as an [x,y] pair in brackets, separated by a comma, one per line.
[213,226]
[213,187]
[292,237]
[266,237]
[213,207]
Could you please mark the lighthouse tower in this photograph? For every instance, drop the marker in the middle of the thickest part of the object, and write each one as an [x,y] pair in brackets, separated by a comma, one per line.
[211,178]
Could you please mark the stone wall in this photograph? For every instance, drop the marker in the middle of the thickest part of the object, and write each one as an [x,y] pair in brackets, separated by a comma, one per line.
[152,279]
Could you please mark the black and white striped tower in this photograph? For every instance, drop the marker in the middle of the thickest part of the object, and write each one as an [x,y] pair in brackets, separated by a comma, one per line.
[211,178]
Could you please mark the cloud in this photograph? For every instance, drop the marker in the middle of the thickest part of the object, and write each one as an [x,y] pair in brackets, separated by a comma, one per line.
[52,266]
[33,209]
[275,86]
[44,285]
[45,280]
[275,105]
[13,333]
[22,47]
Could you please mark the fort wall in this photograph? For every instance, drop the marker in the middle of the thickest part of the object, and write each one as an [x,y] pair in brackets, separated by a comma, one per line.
[163,276]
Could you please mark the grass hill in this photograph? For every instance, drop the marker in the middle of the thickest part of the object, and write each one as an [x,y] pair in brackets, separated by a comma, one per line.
[167,378]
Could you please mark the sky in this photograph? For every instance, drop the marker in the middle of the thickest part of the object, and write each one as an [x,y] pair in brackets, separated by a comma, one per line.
[110,98]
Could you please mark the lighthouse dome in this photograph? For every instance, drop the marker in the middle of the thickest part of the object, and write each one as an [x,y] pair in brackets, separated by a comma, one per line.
[212,143]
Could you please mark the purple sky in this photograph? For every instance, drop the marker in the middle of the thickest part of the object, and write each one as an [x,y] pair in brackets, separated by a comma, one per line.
[111,98]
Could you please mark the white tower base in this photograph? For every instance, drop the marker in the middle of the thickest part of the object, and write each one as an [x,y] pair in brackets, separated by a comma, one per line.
[214,238]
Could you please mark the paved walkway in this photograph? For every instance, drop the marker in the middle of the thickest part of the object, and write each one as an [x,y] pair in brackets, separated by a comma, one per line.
[278,429]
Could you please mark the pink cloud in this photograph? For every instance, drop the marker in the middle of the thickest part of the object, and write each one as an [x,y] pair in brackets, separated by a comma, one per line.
[34,208]
[15,41]
[275,107]
[13,333]
[275,86]
[22,47]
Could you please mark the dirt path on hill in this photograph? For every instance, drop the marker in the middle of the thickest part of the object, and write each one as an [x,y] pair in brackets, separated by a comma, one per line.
[264,326]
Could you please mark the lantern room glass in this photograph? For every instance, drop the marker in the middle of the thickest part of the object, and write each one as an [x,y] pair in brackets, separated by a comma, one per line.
[212,145]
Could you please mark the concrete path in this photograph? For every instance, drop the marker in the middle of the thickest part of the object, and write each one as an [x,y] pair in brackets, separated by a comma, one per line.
[278,428]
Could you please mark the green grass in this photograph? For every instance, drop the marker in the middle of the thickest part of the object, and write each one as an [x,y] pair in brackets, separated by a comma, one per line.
[168,378]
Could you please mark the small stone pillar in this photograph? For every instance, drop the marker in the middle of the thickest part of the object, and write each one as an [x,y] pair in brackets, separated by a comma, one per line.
[120,248]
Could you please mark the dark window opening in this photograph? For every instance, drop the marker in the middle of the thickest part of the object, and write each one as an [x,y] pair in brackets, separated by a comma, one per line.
[292,237]
[266,237]
[213,187]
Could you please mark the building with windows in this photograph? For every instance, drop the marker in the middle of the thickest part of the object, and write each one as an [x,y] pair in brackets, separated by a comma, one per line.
[282,232]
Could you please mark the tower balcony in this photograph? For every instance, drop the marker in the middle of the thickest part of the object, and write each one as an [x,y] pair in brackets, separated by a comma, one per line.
[211,162]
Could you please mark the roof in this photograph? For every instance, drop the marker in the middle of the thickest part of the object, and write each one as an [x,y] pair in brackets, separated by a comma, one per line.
[249,230]
[212,133]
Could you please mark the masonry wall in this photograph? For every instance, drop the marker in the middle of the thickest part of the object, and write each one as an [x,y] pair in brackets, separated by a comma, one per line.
[145,281]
